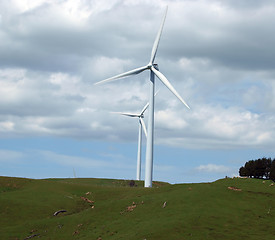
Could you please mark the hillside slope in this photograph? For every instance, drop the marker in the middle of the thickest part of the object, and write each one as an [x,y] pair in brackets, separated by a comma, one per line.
[111,209]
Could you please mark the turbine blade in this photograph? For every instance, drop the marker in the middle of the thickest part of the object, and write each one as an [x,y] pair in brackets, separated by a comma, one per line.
[122,75]
[127,114]
[143,126]
[156,43]
[147,104]
[144,109]
[168,85]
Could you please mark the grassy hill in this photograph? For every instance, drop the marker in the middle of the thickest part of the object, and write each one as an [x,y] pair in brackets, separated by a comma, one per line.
[111,209]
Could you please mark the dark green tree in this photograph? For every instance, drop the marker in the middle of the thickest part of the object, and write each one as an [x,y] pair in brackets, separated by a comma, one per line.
[260,168]
[267,163]
[250,168]
[272,171]
[243,172]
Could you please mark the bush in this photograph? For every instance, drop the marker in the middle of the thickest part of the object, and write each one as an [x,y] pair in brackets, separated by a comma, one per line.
[132,183]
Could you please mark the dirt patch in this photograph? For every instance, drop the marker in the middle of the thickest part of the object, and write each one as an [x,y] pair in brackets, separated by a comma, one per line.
[130,208]
[88,201]
[234,189]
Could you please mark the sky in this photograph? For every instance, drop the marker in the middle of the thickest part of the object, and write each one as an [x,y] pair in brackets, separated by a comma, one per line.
[55,123]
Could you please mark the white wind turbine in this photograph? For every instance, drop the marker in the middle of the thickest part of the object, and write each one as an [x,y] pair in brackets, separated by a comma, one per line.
[140,117]
[153,71]
[142,125]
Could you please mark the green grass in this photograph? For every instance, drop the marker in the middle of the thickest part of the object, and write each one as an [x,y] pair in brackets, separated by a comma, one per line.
[193,211]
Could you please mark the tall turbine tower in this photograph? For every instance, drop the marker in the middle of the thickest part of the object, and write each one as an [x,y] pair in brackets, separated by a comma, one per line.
[140,117]
[153,71]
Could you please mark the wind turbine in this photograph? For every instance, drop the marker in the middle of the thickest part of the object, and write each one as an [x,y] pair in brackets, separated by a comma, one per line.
[142,125]
[140,117]
[153,71]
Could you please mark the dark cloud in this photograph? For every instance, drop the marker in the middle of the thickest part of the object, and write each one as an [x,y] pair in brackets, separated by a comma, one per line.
[239,40]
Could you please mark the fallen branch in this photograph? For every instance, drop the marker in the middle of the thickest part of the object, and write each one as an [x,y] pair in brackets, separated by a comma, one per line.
[60,211]
[32,236]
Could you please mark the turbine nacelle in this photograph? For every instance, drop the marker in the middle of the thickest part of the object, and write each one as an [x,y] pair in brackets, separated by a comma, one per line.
[155,65]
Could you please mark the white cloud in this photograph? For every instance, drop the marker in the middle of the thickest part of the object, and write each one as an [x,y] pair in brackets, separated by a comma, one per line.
[216,127]
[169,119]
[104,67]
[213,168]
[26,5]
[68,160]
[6,126]
[10,156]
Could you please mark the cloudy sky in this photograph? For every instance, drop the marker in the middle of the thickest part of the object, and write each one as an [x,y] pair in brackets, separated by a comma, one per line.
[54,122]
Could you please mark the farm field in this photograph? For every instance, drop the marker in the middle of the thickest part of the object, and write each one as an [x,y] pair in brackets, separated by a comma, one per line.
[112,209]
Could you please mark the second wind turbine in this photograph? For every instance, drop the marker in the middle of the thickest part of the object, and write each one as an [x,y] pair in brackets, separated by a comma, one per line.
[140,117]
[142,125]
[153,71]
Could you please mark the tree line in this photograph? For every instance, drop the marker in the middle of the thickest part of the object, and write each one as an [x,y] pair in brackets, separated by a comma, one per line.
[260,168]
